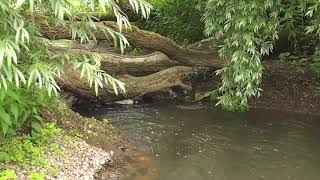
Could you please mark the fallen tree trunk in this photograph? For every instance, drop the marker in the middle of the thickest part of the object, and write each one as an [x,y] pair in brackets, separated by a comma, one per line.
[145,39]
[151,40]
[163,70]
[160,75]
[123,64]
[136,65]
[135,86]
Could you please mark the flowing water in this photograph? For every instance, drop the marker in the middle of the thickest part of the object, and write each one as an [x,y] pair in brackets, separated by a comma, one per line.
[194,142]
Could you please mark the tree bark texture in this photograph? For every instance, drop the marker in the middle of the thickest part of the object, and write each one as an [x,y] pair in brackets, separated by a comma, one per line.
[135,86]
[166,67]
[145,39]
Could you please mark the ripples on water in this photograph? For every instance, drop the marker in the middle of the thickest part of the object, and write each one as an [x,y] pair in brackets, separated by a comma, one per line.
[199,143]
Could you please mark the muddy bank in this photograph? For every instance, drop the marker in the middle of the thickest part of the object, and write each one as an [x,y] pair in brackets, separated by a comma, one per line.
[286,87]
[289,88]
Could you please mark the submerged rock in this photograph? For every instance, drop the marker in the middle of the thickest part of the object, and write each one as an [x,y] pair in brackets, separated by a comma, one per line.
[125,102]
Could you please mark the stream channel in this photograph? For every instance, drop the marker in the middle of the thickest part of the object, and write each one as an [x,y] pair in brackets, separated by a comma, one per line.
[199,142]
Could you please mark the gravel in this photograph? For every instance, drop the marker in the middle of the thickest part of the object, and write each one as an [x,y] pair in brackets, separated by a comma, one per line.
[78,161]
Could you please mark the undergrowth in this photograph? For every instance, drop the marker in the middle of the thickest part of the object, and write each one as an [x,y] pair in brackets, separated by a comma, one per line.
[305,64]
[29,153]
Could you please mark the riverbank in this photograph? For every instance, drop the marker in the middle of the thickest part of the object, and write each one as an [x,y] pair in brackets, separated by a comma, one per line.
[71,147]
[101,135]
[285,87]
[63,157]
[289,87]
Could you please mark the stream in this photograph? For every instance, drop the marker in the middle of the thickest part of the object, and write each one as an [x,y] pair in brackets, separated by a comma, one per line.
[198,142]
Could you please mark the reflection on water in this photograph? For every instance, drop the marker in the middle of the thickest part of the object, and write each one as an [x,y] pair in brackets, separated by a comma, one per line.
[199,143]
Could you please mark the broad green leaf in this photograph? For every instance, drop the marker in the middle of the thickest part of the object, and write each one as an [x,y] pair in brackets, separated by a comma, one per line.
[14,110]
[4,120]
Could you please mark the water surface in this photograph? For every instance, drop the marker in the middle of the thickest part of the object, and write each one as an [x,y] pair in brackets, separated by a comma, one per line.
[193,142]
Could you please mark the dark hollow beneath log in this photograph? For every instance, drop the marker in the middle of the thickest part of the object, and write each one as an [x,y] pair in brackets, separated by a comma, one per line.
[135,86]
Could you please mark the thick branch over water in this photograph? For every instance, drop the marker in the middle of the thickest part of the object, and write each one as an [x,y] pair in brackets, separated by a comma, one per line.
[145,39]
[161,70]
[122,64]
[135,86]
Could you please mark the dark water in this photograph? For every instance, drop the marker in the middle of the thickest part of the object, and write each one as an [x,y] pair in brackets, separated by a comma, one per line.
[191,142]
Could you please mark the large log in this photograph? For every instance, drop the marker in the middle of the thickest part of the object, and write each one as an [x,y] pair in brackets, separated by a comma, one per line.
[168,66]
[151,40]
[145,39]
[135,86]
[123,64]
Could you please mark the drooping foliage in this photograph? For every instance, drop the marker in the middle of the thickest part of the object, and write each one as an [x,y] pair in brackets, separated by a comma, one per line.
[249,30]
[28,67]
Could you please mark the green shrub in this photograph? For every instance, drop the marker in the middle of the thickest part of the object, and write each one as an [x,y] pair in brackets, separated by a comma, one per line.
[7,174]
[21,108]
[28,152]
[179,20]
[37,176]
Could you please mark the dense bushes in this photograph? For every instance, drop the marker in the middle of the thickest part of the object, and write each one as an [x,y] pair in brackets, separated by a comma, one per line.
[21,108]
[179,20]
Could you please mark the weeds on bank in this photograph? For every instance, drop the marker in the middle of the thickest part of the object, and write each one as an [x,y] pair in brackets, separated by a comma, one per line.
[28,153]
